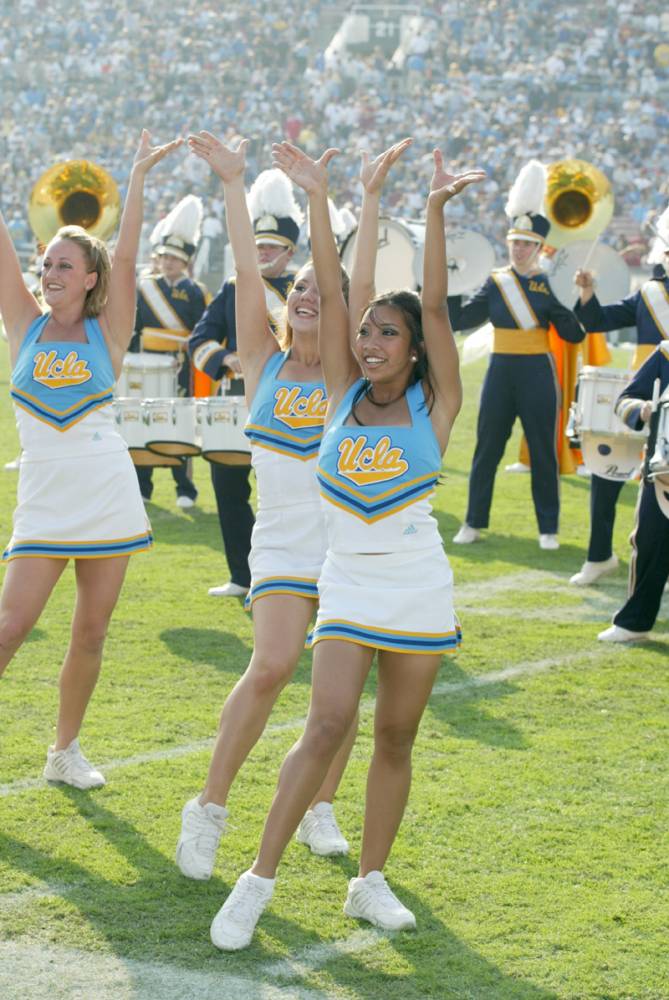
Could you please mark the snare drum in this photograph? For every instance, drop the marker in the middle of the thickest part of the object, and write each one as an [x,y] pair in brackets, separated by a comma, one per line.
[611,449]
[148,376]
[130,417]
[170,426]
[598,391]
[221,421]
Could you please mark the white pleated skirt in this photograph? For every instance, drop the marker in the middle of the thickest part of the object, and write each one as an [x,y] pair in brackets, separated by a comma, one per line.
[288,547]
[88,507]
[401,602]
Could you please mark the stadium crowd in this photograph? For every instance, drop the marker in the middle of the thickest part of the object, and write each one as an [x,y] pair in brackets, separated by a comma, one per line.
[503,82]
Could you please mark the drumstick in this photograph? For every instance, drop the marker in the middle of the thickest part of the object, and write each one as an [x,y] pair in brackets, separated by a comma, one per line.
[589,254]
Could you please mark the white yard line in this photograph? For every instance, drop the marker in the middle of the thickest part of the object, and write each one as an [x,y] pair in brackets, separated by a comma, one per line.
[318,955]
[526,669]
[32,971]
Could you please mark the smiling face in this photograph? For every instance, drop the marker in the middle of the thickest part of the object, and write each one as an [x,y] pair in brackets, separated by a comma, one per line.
[383,345]
[66,278]
[524,254]
[303,302]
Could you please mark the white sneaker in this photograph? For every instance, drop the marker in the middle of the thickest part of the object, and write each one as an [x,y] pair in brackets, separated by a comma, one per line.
[517,467]
[582,470]
[467,535]
[201,830]
[616,633]
[229,589]
[371,898]
[13,465]
[185,502]
[591,571]
[319,831]
[549,542]
[233,926]
[71,767]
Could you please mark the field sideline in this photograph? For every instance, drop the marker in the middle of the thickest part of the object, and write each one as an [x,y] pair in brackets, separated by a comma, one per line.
[533,851]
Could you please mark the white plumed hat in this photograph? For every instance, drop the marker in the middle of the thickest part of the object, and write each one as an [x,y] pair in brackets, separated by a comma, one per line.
[276,215]
[660,244]
[524,204]
[179,232]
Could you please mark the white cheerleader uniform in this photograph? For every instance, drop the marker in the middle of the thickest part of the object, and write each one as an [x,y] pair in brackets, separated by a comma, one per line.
[385,565]
[78,494]
[285,427]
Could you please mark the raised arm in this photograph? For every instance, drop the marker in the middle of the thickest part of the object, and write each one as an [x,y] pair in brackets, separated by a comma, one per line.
[440,345]
[338,364]
[18,306]
[255,340]
[118,316]
[372,177]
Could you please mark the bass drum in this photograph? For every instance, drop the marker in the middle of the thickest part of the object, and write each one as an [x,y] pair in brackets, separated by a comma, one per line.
[396,254]
[612,275]
[470,258]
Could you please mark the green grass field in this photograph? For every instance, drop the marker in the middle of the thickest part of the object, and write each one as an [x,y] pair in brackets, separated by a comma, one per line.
[533,851]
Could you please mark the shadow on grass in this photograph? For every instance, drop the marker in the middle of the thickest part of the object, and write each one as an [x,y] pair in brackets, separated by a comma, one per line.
[464,711]
[457,971]
[36,635]
[212,647]
[189,527]
[159,916]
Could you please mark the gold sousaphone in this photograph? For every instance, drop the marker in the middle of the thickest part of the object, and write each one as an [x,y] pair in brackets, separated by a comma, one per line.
[579,205]
[578,202]
[74,193]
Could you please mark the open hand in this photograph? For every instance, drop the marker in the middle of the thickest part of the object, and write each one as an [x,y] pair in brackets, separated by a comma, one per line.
[310,175]
[445,186]
[373,173]
[147,155]
[226,162]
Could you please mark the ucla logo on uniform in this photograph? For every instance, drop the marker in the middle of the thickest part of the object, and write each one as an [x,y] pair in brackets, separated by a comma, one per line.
[363,463]
[538,286]
[57,373]
[295,409]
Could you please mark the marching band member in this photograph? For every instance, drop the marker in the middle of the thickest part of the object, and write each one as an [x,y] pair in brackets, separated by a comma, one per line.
[649,565]
[386,584]
[78,496]
[170,303]
[213,348]
[647,309]
[520,381]
[286,396]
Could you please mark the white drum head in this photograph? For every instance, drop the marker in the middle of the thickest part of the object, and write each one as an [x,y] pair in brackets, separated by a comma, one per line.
[470,258]
[396,251]
[611,457]
[612,275]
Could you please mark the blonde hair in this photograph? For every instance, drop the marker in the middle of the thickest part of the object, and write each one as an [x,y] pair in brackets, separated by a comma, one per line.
[283,329]
[97,259]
